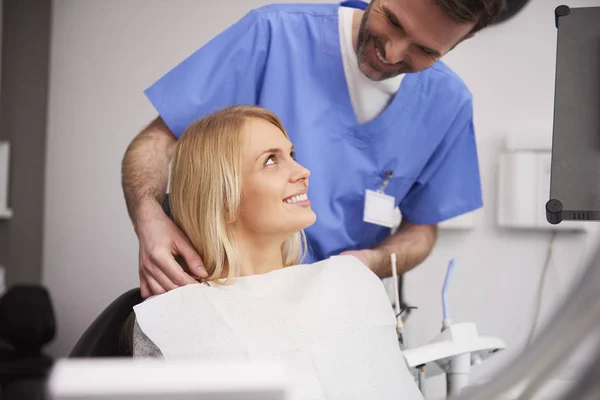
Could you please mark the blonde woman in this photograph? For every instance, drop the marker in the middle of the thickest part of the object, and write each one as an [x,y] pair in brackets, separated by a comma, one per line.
[241,198]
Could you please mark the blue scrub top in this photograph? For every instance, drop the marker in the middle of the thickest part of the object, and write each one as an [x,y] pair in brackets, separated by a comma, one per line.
[287,58]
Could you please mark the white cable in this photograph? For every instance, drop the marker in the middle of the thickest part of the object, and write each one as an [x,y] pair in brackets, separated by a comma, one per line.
[541,286]
[399,323]
[395,278]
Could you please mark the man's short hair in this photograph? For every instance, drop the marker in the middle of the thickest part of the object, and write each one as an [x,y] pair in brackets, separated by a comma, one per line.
[481,12]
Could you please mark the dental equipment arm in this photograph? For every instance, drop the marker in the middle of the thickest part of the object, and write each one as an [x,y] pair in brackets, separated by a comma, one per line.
[397,311]
[453,351]
[412,244]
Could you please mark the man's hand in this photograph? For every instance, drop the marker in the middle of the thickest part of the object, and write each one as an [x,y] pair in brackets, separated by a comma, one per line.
[412,244]
[372,258]
[160,242]
[145,175]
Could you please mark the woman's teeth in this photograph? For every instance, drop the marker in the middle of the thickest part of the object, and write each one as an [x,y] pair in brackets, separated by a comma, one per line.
[381,57]
[296,199]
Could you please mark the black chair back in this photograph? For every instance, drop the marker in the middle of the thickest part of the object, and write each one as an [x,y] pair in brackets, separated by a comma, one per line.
[104,337]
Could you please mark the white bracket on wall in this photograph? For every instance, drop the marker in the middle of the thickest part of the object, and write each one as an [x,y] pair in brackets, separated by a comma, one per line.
[5,212]
[524,184]
[465,221]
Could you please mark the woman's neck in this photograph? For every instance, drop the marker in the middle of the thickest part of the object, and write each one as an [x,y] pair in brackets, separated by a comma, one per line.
[259,256]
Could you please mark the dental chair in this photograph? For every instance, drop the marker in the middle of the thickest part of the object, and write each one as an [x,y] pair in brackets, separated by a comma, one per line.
[103,338]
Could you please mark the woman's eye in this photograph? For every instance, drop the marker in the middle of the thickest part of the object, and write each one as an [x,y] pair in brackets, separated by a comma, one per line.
[270,160]
[293,155]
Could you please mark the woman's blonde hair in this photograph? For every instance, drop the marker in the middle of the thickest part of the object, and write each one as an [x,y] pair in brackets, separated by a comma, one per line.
[206,188]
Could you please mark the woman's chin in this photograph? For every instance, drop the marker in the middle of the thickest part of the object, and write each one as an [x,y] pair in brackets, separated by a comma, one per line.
[304,221]
[310,219]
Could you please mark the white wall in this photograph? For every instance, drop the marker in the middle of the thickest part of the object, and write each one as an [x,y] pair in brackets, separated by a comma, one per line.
[104,54]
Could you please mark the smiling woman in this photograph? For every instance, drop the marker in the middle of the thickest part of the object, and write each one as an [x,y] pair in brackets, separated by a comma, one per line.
[241,198]
[240,147]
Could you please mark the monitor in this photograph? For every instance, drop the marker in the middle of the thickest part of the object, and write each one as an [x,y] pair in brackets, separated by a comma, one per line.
[575,165]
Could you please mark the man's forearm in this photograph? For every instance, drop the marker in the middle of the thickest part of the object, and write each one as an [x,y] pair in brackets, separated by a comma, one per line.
[145,167]
[412,245]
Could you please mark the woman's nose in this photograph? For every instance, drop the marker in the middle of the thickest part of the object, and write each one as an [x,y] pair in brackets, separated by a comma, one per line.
[300,172]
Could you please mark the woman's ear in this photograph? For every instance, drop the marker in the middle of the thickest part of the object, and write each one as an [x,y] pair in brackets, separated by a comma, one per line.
[231,216]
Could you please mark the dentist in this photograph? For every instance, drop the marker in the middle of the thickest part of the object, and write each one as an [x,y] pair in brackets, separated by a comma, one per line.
[370,108]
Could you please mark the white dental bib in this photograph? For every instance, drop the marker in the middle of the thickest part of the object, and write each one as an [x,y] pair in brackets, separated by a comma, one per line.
[331,324]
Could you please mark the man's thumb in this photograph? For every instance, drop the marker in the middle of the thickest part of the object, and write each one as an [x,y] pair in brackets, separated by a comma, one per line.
[192,259]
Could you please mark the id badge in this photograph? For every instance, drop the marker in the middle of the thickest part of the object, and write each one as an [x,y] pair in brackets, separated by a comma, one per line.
[379,209]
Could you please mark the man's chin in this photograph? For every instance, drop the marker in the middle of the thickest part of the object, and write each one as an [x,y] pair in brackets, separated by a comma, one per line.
[376,74]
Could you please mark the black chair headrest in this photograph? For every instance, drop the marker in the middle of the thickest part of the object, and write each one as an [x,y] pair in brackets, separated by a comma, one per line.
[27,320]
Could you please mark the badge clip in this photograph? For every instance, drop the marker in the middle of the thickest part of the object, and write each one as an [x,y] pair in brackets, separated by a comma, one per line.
[386,179]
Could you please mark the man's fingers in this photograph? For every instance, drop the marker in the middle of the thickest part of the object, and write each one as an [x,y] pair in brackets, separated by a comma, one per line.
[191,257]
[154,270]
[172,270]
[144,287]
[155,288]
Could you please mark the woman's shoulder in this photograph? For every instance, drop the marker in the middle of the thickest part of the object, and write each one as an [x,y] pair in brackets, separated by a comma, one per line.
[184,299]
[350,265]
[176,294]
[343,273]
[142,345]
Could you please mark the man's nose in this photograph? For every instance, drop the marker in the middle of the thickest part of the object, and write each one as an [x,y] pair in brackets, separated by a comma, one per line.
[395,50]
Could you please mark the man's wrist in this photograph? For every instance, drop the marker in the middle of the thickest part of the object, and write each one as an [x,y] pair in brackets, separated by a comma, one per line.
[383,261]
[147,210]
